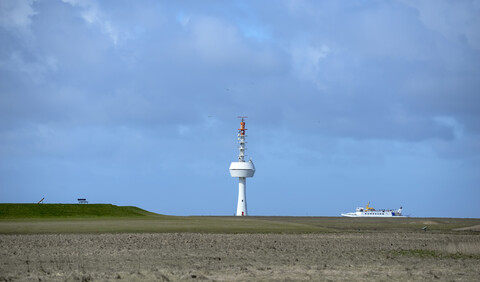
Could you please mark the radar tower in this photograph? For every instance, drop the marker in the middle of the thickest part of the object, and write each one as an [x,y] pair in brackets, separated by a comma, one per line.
[242,170]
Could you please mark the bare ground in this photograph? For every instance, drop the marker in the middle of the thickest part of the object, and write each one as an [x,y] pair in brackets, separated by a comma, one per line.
[187,256]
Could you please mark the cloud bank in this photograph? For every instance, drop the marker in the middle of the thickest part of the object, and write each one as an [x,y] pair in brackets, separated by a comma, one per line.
[122,95]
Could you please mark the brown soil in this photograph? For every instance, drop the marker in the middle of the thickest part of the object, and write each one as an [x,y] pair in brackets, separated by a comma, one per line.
[470,228]
[186,256]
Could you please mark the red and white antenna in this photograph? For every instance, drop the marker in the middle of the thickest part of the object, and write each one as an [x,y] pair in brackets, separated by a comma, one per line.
[241,140]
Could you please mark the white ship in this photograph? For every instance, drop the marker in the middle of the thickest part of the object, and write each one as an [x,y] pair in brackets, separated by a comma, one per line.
[371,212]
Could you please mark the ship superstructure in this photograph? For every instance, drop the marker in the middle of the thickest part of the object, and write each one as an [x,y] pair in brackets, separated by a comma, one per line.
[371,212]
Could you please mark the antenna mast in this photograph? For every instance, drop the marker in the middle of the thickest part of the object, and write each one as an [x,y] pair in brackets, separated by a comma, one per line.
[241,140]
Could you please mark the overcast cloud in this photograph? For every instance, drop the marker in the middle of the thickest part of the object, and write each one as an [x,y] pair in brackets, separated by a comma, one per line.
[135,103]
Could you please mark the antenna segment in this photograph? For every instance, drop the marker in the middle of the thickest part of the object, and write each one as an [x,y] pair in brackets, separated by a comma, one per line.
[241,140]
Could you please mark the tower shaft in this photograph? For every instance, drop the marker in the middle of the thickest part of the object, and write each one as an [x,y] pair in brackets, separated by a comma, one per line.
[242,197]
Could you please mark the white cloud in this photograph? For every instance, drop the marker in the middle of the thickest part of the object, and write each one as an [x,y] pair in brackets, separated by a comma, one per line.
[36,70]
[456,20]
[306,61]
[217,40]
[16,14]
[93,15]
[219,43]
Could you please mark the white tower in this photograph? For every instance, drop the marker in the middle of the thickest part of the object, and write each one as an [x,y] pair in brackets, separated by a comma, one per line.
[242,170]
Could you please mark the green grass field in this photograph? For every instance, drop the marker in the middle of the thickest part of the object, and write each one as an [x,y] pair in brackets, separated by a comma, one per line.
[106,218]
[10,211]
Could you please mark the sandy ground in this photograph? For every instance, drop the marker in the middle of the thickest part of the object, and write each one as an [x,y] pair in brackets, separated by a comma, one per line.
[184,256]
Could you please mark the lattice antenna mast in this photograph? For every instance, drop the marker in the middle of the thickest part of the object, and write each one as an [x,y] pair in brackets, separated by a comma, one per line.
[241,140]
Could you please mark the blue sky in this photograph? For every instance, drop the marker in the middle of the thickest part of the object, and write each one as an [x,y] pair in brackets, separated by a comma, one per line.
[136,103]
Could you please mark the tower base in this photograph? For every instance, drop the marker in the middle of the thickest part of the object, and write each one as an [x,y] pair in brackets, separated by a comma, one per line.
[242,197]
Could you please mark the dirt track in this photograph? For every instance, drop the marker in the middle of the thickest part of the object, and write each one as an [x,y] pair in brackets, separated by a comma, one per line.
[183,256]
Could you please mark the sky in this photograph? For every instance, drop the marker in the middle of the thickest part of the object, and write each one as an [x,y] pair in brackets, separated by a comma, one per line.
[136,103]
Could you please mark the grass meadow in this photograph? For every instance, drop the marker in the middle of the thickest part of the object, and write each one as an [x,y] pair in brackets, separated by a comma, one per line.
[106,218]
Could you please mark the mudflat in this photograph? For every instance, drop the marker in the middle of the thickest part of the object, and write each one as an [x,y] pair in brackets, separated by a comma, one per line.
[359,256]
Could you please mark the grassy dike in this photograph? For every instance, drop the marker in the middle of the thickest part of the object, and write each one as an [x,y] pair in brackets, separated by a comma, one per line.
[106,218]
[17,211]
